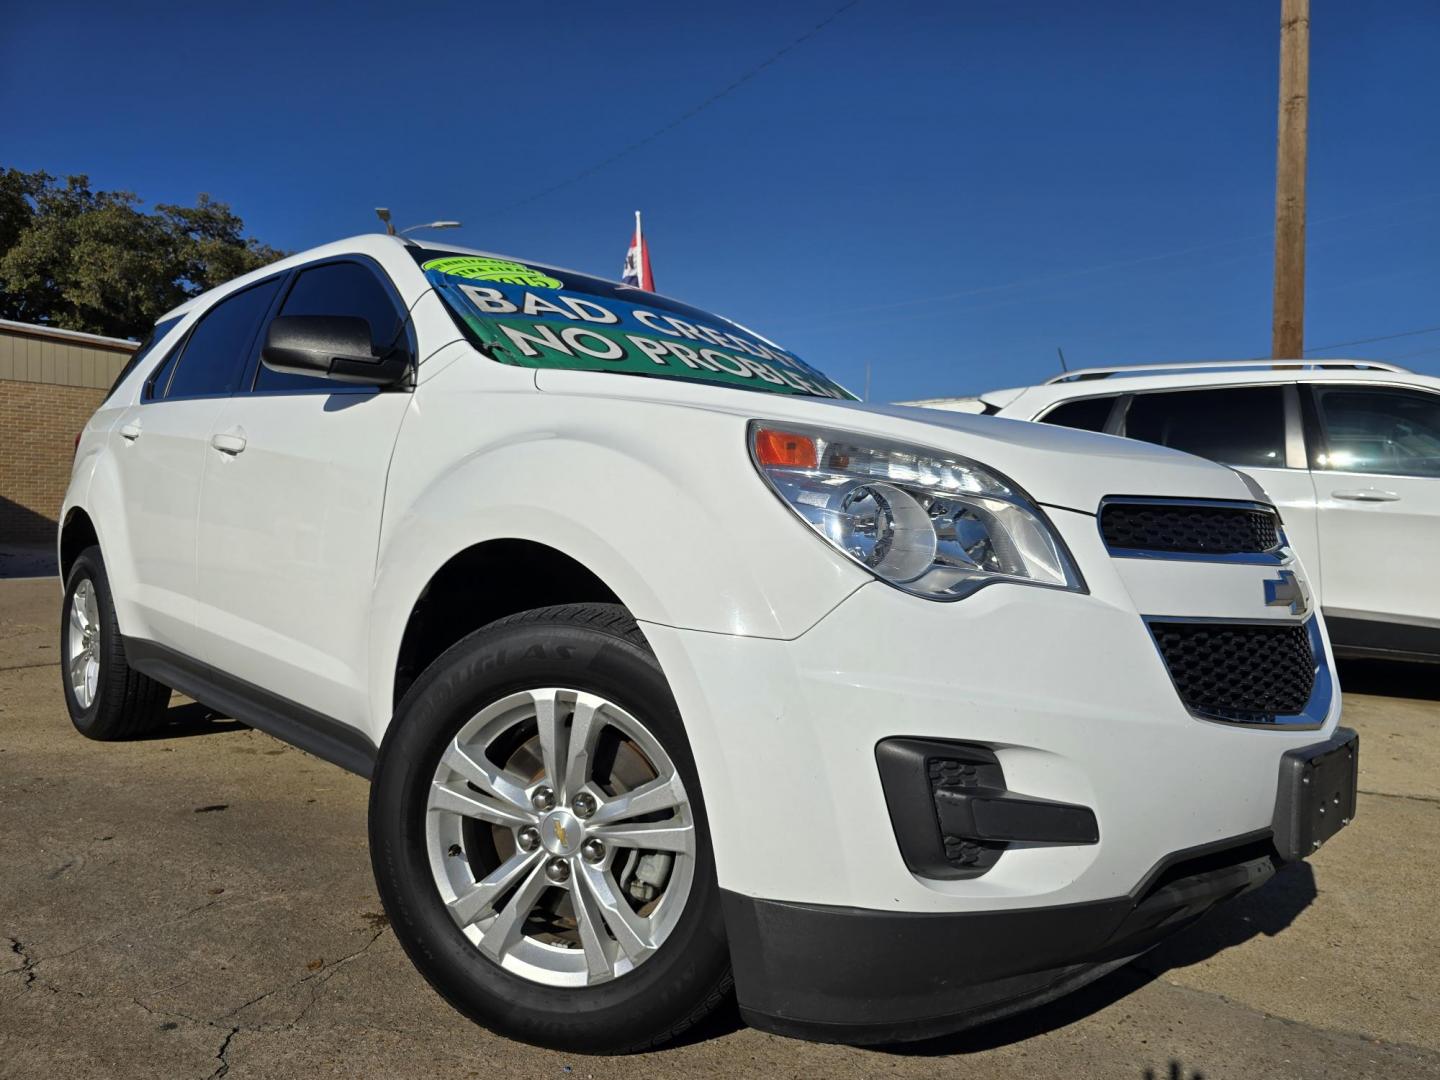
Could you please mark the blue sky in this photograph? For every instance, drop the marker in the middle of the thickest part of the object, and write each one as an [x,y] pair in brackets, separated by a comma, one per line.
[946,190]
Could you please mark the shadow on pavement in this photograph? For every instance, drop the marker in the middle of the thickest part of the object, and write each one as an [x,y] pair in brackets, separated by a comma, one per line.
[1267,911]
[1390,678]
[191,718]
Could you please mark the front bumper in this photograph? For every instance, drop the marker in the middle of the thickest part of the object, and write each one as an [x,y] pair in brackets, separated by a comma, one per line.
[1067,695]
[851,975]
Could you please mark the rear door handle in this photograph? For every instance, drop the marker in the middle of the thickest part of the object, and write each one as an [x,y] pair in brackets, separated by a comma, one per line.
[129,432]
[1366,495]
[228,444]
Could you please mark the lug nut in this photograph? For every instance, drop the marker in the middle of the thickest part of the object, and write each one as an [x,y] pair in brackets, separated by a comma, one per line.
[529,838]
[543,799]
[558,871]
[583,805]
[593,851]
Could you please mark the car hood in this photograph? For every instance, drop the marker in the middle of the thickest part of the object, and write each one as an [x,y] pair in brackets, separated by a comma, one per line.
[1057,466]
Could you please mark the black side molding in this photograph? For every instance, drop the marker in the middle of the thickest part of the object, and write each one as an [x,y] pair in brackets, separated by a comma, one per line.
[325,737]
[1370,639]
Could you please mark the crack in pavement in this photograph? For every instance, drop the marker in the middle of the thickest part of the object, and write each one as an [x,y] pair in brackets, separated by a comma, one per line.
[26,970]
[1395,795]
[222,1055]
[323,975]
[319,978]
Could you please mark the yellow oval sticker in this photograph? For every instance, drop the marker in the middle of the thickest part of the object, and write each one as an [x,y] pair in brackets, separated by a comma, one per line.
[480,268]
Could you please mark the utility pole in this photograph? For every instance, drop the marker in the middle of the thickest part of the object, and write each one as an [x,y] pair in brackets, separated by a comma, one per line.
[1287,336]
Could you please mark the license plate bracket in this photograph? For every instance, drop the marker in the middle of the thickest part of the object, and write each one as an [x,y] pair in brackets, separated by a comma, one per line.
[1317,794]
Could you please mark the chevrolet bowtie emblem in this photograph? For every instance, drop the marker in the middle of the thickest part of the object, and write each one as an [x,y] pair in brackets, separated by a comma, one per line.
[1286,591]
[560,829]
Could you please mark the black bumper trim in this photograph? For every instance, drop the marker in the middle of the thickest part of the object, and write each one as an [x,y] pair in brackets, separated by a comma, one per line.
[863,976]
[953,814]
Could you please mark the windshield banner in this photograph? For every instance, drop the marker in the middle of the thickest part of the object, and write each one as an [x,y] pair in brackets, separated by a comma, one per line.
[537,321]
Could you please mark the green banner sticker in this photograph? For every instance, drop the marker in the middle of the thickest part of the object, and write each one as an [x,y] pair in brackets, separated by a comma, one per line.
[480,268]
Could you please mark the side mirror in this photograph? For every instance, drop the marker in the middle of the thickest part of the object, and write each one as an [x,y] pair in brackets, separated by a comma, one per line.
[332,346]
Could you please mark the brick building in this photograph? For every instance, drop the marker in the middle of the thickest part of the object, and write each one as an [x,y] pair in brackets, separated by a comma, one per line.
[50,382]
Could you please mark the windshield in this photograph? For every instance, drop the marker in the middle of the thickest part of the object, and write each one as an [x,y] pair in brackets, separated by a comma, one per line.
[535,316]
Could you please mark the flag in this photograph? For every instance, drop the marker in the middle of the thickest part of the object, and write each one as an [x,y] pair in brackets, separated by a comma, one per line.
[637,261]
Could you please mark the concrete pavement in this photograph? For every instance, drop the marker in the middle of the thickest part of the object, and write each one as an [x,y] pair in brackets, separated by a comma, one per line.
[199,904]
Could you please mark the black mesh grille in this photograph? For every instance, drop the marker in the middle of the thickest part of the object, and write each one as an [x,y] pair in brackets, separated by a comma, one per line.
[1200,530]
[1239,672]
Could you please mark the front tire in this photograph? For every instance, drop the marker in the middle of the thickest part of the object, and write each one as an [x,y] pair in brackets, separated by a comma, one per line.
[106,697]
[539,839]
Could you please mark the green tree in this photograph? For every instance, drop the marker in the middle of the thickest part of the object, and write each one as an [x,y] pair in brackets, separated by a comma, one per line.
[95,261]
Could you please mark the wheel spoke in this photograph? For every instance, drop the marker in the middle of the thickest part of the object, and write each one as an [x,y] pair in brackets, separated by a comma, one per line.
[478,902]
[78,664]
[77,620]
[589,920]
[585,727]
[651,836]
[551,730]
[630,930]
[493,781]
[457,798]
[662,793]
[505,931]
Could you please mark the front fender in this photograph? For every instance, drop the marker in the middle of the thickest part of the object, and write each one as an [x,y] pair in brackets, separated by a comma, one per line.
[682,531]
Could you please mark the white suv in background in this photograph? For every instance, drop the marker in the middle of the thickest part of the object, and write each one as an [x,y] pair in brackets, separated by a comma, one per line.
[1348,449]
[676,668]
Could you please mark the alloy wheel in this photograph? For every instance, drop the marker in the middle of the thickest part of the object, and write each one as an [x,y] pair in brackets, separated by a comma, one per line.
[82,641]
[560,837]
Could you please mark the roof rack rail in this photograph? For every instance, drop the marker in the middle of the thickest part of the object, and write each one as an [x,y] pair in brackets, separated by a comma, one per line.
[1126,370]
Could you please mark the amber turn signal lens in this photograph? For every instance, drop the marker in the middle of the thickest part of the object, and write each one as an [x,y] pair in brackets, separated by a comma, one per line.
[785,449]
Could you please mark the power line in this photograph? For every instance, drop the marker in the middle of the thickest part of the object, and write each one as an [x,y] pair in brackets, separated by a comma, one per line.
[1368,340]
[1101,268]
[690,114]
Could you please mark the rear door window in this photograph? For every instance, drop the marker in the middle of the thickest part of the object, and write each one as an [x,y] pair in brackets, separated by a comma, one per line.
[1242,426]
[1087,414]
[339,288]
[216,354]
[146,348]
[1390,431]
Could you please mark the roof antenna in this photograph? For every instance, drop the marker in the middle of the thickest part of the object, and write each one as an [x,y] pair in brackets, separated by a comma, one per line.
[1061,353]
[384,215]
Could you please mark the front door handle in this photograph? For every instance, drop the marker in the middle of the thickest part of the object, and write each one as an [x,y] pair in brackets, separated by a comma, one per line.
[129,432]
[228,444]
[1366,495]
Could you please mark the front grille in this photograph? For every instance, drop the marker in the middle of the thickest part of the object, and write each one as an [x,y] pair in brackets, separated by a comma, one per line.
[1190,528]
[1242,672]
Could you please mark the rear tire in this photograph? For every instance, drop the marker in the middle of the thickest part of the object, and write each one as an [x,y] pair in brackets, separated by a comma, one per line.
[551,962]
[106,697]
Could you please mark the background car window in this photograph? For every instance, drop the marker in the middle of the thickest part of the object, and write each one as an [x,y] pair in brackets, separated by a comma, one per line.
[218,349]
[343,288]
[1395,432]
[1089,414]
[1241,426]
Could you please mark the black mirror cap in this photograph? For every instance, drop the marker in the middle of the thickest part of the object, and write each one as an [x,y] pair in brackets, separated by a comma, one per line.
[332,346]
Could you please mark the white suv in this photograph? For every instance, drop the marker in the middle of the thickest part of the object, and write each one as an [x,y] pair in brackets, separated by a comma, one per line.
[1348,449]
[673,665]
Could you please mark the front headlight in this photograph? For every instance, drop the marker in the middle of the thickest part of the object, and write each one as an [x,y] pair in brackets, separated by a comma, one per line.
[931,523]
